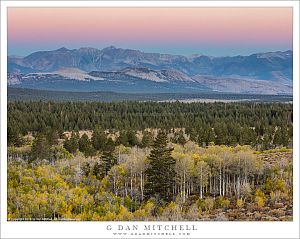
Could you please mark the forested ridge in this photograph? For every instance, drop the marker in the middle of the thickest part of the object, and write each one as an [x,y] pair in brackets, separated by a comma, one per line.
[24,94]
[149,161]
[264,124]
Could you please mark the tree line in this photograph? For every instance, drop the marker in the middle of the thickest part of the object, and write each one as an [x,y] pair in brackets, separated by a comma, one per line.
[261,125]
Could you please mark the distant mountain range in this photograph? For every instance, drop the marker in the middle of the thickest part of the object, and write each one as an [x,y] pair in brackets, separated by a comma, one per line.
[126,70]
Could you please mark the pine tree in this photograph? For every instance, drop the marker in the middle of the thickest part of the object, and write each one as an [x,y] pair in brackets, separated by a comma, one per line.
[13,137]
[98,139]
[181,139]
[161,172]
[71,144]
[123,139]
[221,132]
[281,137]
[98,171]
[108,157]
[52,137]
[85,146]
[132,139]
[40,148]
[147,139]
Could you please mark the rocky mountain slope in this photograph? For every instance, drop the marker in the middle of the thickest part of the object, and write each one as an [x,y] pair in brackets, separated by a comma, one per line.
[262,73]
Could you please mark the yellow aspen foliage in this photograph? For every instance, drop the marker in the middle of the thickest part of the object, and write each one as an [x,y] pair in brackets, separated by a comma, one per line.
[149,207]
[223,202]
[280,185]
[104,183]
[110,216]
[240,203]
[196,157]
[67,215]
[84,216]
[96,217]
[140,215]
[10,216]
[124,214]
[260,201]
[172,212]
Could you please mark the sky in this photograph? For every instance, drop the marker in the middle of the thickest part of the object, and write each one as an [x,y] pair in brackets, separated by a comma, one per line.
[184,31]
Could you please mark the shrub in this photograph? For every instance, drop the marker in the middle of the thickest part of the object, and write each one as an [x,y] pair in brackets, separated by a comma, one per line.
[209,204]
[240,203]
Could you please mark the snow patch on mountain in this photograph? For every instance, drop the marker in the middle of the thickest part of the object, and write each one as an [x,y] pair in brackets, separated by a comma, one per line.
[145,73]
[75,74]
[67,73]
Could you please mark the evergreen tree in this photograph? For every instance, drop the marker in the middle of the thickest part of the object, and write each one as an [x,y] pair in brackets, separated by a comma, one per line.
[147,139]
[13,137]
[71,145]
[221,133]
[40,148]
[123,139]
[161,172]
[98,139]
[98,171]
[85,145]
[108,157]
[210,136]
[181,139]
[281,137]
[178,138]
[247,136]
[52,136]
[132,139]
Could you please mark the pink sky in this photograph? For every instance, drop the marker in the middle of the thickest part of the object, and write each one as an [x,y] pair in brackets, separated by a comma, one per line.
[30,29]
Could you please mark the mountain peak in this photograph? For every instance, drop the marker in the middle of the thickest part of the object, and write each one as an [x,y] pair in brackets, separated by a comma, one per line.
[62,49]
[87,48]
[109,48]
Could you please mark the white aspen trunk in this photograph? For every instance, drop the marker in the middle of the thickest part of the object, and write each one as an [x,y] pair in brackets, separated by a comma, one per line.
[239,177]
[224,181]
[135,186]
[114,184]
[214,187]
[125,186]
[228,184]
[181,187]
[142,191]
[210,184]
[187,189]
[238,187]
[234,184]
[201,183]
[184,188]
[220,182]
[131,183]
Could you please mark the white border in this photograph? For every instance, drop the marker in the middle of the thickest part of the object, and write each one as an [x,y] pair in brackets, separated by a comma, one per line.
[98,229]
